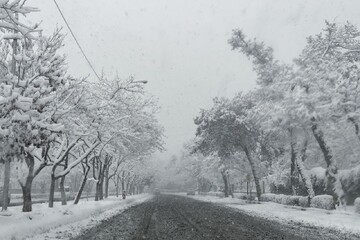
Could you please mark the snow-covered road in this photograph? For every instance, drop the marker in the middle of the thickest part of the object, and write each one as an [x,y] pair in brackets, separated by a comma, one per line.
[62,222]
[343,220]
[178,217]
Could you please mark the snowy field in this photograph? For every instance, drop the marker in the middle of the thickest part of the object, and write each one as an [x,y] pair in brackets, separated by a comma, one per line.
[344,220]
[62,222]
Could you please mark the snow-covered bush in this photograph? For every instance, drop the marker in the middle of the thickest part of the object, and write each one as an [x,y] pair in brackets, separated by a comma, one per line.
[285,200]
[279,198]
[245,196]
[268,197]
[350,183]
[242,196]
[215,194]
[220,194]
[280,188]
[251,197]
[323,201]
[294,200]
[357,205]
[304,202]
[279,181]
[210,194]
[318,176]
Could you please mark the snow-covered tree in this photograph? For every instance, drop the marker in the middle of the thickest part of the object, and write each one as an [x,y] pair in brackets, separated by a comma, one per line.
[29,92]
[227,128]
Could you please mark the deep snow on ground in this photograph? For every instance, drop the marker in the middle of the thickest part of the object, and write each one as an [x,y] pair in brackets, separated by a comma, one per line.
[62,222]
[343,220]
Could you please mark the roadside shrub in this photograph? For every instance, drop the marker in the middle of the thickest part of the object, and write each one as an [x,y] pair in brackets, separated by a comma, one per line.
[211,194]
[350,182]
[323,201]
[220,194]
[278,198]
[215,194]
[357,205]
[242,196]
[304,202]
[294,200]
[251,197]
[318,176]
[268,197]
[288,200]
[285,200]
[280,188]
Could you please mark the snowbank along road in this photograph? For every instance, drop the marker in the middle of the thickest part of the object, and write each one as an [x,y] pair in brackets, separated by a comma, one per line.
[176,217]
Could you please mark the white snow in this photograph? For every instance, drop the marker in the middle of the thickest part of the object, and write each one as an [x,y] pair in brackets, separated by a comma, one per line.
[24,103]
[345,220]
[357,205]
[21,117]
[22,57]
[3,100]
[318,172]
[323,201]
[62,222]
[11,35]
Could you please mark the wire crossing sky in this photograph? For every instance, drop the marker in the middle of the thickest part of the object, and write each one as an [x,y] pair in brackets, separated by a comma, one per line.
[181,47]
[77,42]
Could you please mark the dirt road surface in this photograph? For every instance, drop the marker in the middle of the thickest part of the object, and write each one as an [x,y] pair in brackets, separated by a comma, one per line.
[175,217]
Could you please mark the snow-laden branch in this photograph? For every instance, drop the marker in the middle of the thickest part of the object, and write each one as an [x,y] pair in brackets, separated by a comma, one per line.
[78,160]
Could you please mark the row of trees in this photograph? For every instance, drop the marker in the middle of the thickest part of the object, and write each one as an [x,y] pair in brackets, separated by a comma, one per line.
[300,116]
[50,120]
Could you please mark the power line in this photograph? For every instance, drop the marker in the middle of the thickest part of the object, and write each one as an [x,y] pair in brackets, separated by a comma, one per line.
[77,42]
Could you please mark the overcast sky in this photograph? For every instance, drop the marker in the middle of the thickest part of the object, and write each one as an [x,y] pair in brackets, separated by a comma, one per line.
[180,46]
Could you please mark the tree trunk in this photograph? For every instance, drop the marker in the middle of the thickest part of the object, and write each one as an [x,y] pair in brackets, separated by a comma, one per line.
[107,186]
[306,179]
[26,190]
[101,191]
[52,191]
[6,184]
[356,126]
[331,170]
[62,191]
[82,186]
[128,188]
[303,150]
[300,165]
[254,172]
[101,185]
[123,185]
[229,185]
[292,166]
[226,184]
[132,190]
[97,191]
[200,189]
[117,186]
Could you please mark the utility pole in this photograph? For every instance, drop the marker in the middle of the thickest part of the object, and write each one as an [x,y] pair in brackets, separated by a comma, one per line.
[14,48]
[7,160]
